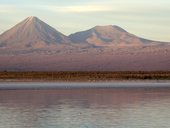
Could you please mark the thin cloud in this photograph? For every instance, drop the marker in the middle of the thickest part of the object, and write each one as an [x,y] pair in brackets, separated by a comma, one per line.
[8,9]
[79,9]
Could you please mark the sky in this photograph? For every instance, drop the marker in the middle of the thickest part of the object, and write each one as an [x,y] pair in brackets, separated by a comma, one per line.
[147,18]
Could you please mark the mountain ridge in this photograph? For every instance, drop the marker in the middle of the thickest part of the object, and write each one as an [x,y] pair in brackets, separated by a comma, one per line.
[34,33]
[109,35]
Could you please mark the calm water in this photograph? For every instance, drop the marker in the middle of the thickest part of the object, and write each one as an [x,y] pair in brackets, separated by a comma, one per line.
[85,108]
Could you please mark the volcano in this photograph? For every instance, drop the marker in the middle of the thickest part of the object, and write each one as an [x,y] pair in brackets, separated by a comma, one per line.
[32,33]
[110,35]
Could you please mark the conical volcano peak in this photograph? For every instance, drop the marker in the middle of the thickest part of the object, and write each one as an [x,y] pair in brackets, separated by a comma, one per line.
[32,18]
[33,32]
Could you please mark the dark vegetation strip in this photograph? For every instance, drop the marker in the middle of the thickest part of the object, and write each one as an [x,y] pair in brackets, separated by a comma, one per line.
[85,76]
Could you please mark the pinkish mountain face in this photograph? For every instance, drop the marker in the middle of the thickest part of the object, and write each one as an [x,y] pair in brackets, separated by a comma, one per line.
[33,45]
[32,33]
[108,36]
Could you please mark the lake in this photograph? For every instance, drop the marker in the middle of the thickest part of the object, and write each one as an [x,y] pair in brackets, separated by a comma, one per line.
[85,108]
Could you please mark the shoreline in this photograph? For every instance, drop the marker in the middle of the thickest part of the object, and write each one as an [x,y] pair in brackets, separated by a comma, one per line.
[81,81]
[84,76]
[38,85]
[58,80]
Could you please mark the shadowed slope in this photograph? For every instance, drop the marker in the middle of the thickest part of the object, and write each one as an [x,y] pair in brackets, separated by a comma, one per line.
[108,36]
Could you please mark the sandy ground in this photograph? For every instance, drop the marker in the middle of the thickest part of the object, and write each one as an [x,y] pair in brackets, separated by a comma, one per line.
[101,59]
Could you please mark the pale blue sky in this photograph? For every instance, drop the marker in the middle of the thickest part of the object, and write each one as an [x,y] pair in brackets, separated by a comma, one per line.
[147,18]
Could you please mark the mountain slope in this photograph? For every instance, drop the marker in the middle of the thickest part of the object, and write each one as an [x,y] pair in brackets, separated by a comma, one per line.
[31,33]
[108,36]
[32,45]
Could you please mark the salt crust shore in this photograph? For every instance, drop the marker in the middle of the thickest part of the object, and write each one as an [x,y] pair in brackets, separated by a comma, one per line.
[21,84]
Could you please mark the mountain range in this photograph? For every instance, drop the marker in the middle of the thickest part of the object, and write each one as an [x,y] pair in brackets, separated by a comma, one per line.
[34,45]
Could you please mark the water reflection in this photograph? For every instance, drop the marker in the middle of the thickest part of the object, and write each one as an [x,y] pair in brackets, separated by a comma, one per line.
[85,108]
